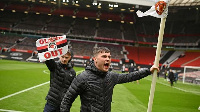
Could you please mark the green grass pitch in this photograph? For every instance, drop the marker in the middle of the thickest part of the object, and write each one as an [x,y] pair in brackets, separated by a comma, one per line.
[24,85]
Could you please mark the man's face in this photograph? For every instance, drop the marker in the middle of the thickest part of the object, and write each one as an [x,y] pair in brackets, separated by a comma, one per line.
[102,61]
[65,58]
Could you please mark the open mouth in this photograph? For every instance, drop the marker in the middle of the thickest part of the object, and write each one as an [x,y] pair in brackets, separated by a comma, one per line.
[106,65]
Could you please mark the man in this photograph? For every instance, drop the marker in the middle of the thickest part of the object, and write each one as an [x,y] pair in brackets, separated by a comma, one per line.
[123,68]
[131,68]
[95,85]
[171,77]
[61,76]
[138,69]
[176,76]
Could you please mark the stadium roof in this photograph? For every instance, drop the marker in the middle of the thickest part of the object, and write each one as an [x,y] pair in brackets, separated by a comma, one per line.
[151,2]
[184,2]
[106,4]
[120,7]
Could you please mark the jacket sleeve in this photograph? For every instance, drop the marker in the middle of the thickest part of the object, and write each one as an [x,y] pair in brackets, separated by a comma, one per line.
[51,64]
[74,90]
[133,76]
[73,72]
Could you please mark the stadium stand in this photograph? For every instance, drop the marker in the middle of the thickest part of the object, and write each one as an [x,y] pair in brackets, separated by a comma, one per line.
[27,44]
[144,58]
[187,58]
[9,39]
[59,24]
[129,32]
[105,28]
[6,45]
[18,42]
[84,27]
[139,54]
[143,32]
[132,53]
[194,62]
[9,19]
[172,57]
[166,56]
[41,8]
[17,6]
[81,48]
[39,22]
[115,50]
[187,39]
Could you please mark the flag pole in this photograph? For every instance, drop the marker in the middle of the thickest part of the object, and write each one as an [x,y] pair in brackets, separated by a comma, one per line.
[156,63]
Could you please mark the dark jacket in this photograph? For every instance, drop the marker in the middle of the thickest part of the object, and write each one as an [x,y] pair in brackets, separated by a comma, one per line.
[96,88]
[171,76]
[131,69]
[61,76]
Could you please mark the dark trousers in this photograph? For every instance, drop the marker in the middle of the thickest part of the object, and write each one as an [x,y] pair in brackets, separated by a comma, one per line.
[51,108]
[171,82]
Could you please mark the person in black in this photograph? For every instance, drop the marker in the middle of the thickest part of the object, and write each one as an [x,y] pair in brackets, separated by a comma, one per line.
[171,77]
[110,68]
[138,69]
[123,68]
[61,76]
[95,84]
[87,63]
[131,68]
[176,76]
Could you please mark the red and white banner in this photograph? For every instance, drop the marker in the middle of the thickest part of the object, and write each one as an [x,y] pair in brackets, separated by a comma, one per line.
[159,10]
[50,48]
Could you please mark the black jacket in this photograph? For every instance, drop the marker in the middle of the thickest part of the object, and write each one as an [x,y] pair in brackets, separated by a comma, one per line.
[96,88]
[171,75]
[61,76]
[131,69]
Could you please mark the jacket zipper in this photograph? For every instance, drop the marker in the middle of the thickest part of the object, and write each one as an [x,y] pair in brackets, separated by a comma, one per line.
[104,92]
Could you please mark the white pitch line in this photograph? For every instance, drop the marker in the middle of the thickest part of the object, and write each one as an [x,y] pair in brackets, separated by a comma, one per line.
[9,110]
[23,91]
[29,88]
[194,92]
[45,71]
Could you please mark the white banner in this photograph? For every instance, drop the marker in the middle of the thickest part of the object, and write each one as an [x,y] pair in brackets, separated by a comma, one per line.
[50,48]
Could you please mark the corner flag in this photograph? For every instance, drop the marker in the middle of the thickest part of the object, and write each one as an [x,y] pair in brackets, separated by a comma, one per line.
[159,10]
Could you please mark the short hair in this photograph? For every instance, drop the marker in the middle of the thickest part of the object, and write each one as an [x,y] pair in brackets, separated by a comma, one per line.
[100,50]
[70,51]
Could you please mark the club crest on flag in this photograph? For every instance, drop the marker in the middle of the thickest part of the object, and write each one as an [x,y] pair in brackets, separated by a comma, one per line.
[52,45]
[160,7]
[159,10]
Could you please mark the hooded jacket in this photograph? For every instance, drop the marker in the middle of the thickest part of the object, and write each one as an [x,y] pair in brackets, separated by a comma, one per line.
[61,76]
[96,88]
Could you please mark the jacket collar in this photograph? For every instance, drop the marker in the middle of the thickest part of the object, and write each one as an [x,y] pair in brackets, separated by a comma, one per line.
[66,66]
